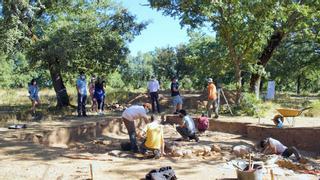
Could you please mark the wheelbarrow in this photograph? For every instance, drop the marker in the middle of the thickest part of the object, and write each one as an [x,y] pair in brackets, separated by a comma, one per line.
[288,114]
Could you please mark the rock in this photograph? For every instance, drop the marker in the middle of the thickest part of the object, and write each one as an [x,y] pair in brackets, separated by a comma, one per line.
[206,150]
[170,147]
[197,150]
[215,148]
[241,150]
[187,153]
[115,153]
[177,153]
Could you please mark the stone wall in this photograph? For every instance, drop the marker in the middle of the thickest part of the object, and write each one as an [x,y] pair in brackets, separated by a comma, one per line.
[303,138]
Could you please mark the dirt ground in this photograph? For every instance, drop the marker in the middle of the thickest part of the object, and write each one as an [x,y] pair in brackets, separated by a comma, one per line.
[25,160]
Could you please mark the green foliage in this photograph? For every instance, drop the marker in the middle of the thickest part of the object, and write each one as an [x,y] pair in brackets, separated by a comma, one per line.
[252,106]
[244,27]
[315,111]
[114,80]
[137,70]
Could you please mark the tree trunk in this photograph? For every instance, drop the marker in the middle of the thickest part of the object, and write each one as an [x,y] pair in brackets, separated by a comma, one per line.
[298,85]
[59,88]
[255,84]
[238,81]
[266,55]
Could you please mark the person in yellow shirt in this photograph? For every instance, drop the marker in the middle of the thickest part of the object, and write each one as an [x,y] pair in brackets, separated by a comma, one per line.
[212,99]
[154,140]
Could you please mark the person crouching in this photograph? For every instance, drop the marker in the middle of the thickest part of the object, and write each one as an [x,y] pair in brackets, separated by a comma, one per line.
[187,130]
[273,146]
[154,141]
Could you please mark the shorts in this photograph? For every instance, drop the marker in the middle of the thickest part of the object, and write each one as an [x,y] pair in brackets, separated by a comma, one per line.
[176,100]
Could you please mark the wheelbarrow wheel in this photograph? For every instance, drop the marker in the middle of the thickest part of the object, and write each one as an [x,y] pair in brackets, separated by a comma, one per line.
[278,118]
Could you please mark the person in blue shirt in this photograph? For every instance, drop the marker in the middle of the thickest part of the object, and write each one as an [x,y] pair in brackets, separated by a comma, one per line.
[82,94]
[188,129]
[99,95]
[33,90]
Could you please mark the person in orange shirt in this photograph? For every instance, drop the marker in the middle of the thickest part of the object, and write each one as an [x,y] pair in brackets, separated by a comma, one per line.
[212,99]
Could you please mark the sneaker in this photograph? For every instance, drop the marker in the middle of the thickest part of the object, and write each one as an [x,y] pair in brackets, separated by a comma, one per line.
[196,138]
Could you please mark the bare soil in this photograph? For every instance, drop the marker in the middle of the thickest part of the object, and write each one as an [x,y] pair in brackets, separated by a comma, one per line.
[25,160]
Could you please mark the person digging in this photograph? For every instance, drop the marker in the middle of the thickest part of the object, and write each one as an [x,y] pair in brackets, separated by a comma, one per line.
[273,146]
[129,116]
[153,141]
[187,130]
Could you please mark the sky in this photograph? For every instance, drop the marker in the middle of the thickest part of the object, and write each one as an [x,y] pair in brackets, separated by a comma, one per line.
[161,32]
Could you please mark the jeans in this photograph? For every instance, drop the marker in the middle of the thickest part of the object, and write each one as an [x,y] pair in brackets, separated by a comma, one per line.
[155,99]
[215,107]
[82,98]
[291,150]
[132,134]
[100,102]
[184,132]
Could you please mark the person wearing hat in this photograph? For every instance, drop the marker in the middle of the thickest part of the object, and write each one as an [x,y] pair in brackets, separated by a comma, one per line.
[129,116]
[212,99]
[82,94]
[153,88]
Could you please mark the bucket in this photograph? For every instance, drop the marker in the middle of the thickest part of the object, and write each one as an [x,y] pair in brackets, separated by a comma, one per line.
[256,174]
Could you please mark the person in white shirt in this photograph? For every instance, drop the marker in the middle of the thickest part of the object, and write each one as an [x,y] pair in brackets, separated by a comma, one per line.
[153,88]
[129,116]
[273,146]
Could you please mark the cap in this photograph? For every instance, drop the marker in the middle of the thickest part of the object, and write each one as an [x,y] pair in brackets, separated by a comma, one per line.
[210,80]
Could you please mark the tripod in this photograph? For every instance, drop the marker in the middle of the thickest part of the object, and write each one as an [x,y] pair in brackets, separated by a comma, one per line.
[220,91]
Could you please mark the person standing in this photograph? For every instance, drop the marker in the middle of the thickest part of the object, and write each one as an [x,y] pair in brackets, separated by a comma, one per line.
[82,94]
[153,88]
[33,90]
[212,99]
[175,94]
[99,95]
[129,116]
[188,129]
[91,92]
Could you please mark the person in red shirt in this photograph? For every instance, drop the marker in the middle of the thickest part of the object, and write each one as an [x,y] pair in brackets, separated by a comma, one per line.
[212,99]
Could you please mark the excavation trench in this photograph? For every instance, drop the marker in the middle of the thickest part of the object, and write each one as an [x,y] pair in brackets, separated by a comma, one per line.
[302,138]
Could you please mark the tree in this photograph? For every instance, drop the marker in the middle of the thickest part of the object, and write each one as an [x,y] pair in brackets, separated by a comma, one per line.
[296,65]
[243,27]
[89,36]
[298,15]
[138,70]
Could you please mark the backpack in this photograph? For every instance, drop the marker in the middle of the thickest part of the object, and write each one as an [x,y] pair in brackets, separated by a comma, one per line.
[203,123]
[164,173]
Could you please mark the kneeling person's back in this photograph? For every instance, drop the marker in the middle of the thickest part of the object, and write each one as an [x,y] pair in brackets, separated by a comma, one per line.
[154,135]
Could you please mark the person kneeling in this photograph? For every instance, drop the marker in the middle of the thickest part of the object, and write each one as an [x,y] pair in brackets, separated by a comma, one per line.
[187,130]
[154,140]
[273,146]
